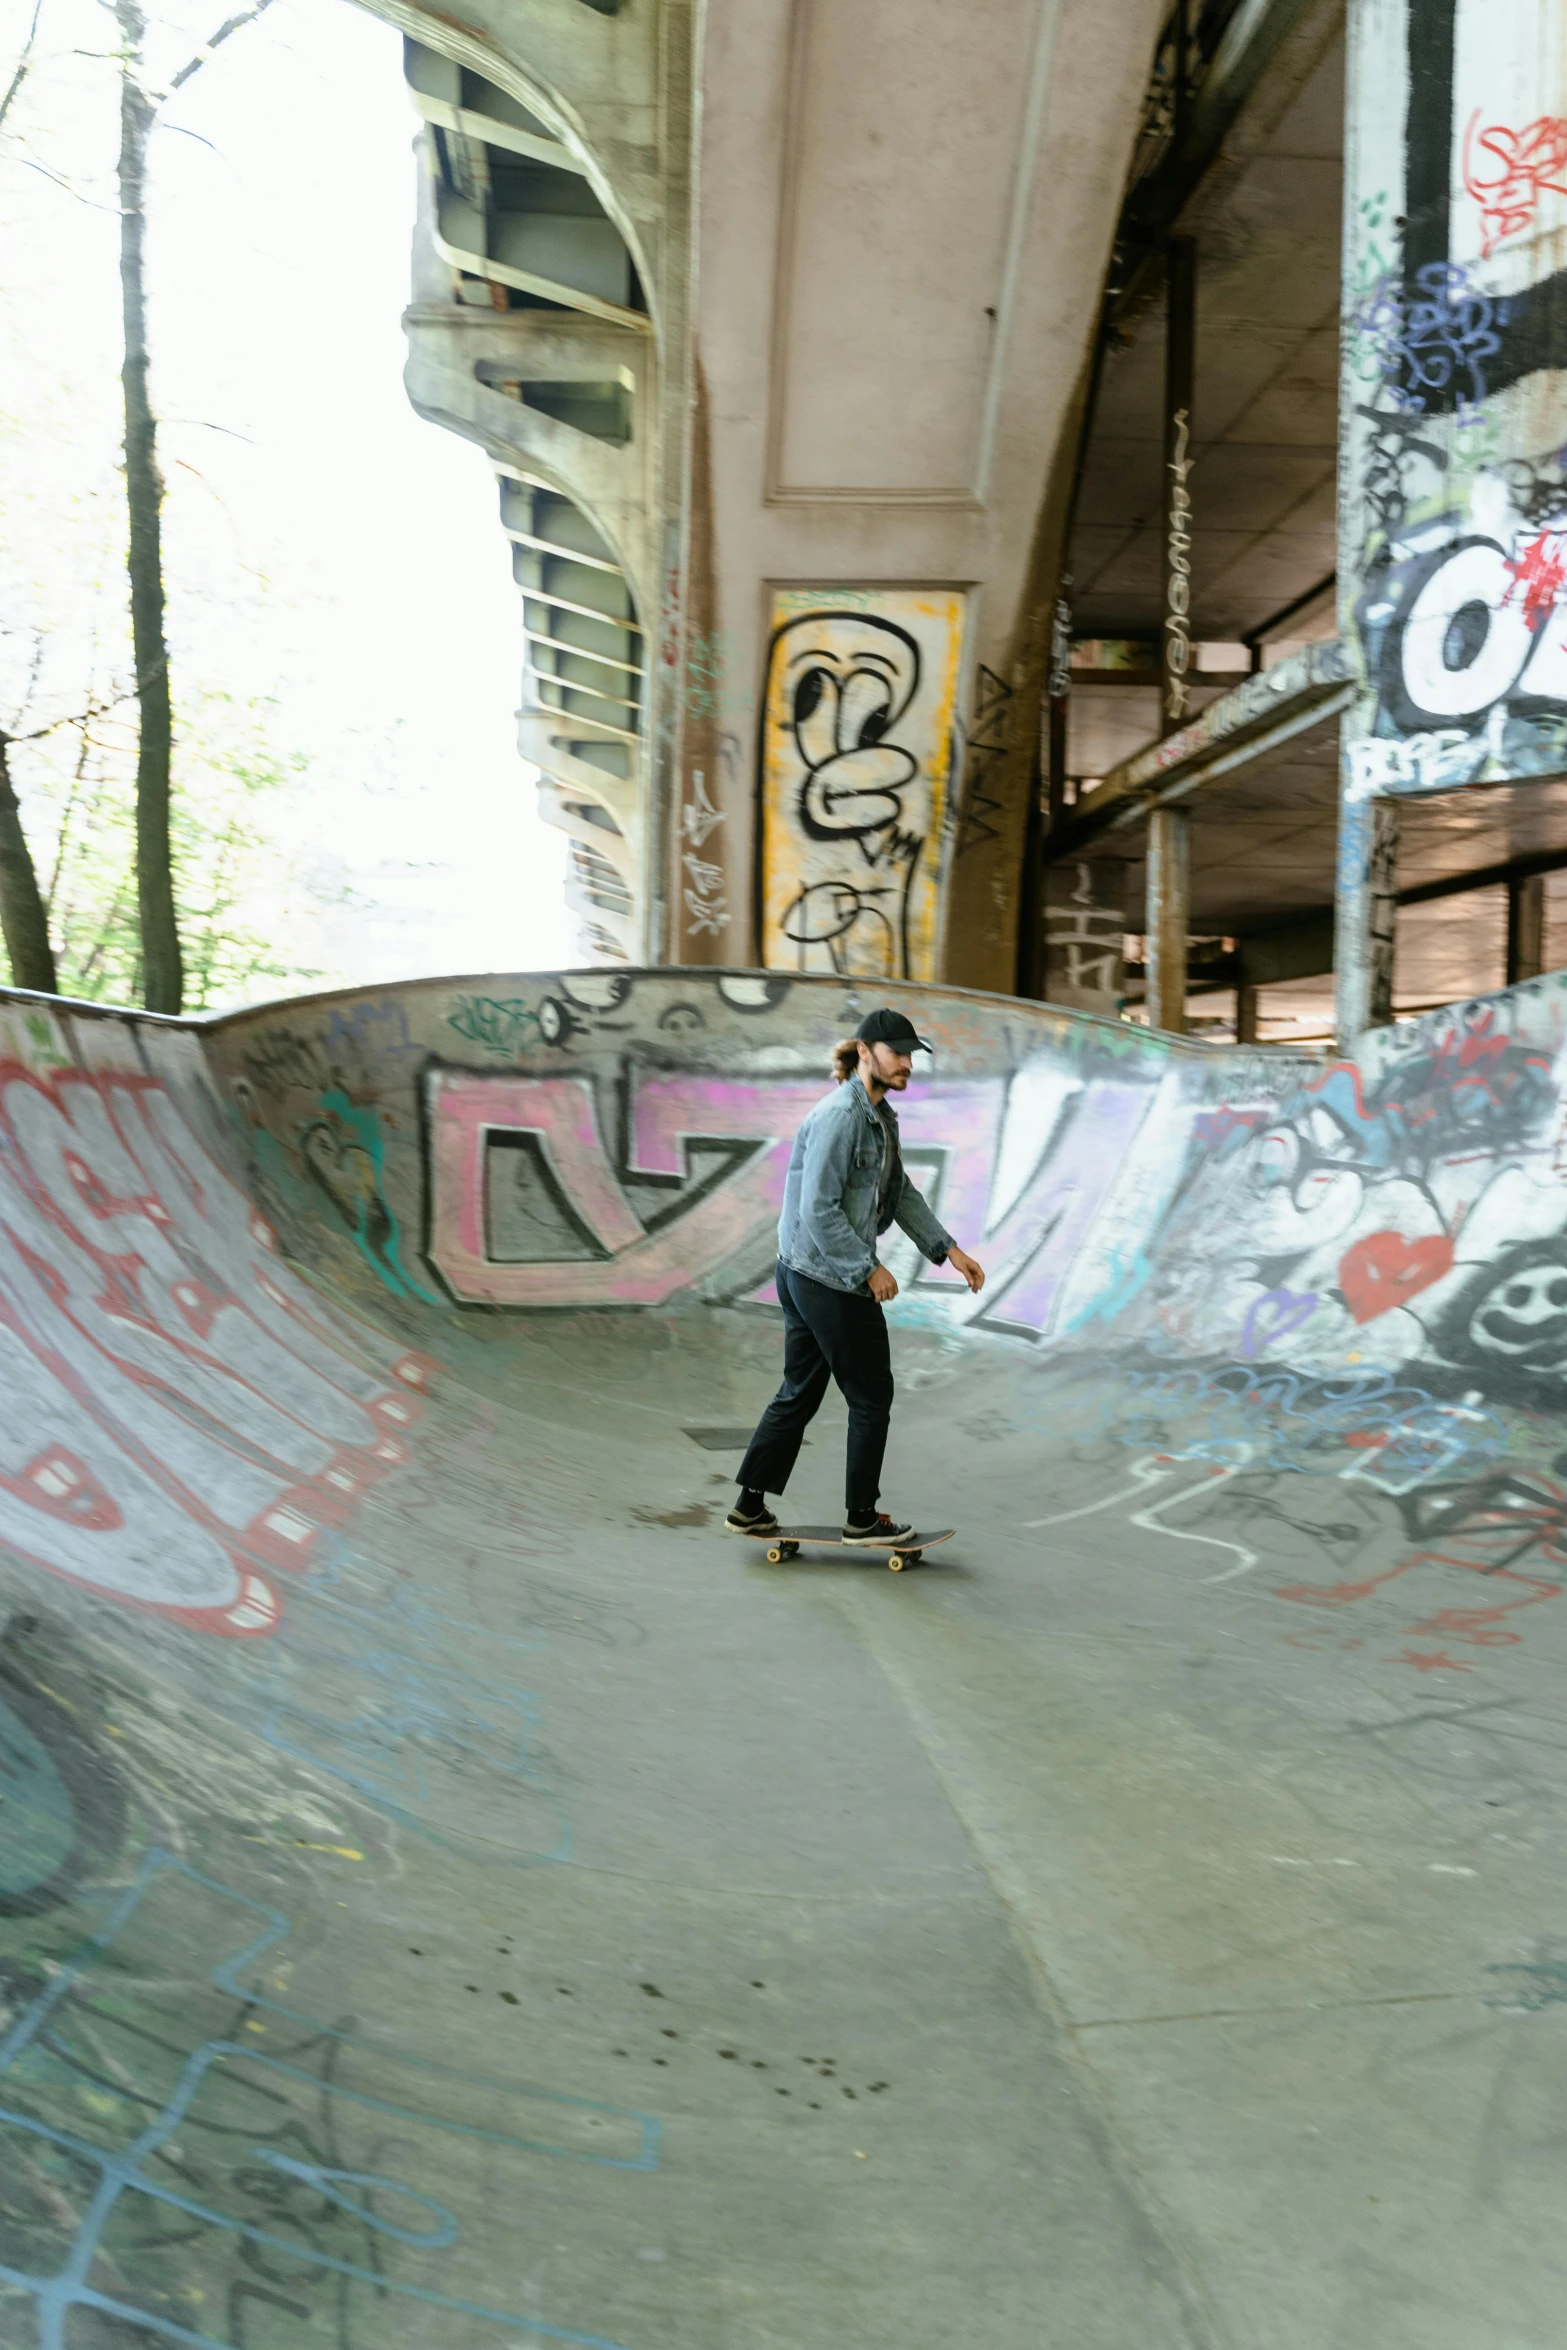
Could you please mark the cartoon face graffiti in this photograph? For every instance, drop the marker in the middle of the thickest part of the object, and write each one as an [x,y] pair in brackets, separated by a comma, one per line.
[847,680]
[1514,1313]
[856,739]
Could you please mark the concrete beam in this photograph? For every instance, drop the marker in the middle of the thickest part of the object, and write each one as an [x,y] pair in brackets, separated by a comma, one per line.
[1243,728]
[1255,36]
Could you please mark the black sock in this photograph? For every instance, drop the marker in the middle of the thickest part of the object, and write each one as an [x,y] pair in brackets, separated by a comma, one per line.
[752,1499]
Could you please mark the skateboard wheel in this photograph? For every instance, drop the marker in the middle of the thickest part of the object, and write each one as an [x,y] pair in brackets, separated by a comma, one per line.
[897,1562]
[775,1554]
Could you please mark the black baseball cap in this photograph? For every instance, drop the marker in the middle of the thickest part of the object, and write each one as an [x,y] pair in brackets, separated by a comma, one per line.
[890,1027]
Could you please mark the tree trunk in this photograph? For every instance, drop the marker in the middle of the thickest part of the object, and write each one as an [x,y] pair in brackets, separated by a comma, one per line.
[163,975]
[24,924]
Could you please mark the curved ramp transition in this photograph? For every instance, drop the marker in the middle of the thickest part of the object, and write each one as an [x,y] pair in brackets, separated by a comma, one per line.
[451,1896]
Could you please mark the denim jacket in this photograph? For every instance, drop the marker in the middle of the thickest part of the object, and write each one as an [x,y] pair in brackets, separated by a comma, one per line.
[833,1192]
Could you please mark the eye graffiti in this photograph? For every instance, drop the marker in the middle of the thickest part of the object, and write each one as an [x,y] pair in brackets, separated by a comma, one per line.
[843,697]
[1472,624]
[1466,645]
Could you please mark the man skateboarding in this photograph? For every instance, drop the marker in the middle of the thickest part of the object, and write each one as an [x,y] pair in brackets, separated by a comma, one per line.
[845,1185]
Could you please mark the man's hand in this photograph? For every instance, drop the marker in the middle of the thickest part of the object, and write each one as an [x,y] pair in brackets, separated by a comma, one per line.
[882,1286]
[973,1274]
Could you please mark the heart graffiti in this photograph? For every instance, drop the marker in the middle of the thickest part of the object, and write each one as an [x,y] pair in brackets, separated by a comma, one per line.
[1386,1270]
[1272,1317]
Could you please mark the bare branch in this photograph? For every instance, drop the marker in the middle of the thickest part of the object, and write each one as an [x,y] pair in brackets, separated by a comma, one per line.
[23,62]
[88,717]
[75,194]
[224,32]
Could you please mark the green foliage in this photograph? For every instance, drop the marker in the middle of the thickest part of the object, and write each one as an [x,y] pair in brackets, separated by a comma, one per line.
[236,882]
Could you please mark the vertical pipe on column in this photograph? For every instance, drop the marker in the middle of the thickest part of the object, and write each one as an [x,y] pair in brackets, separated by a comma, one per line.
[1525,928]
[1180,348]
[1365,922]
[1169,899]
[1169,829]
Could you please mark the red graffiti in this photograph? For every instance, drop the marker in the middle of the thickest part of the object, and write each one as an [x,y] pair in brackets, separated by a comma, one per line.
[1531,160]
[1386,1270]
[1495,1525]
[1539,574]
[180,1417]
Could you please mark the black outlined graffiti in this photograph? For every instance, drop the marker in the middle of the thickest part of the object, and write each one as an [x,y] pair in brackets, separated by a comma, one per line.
[843,701]
[1465,637]
[828,913]
[857,734]
[987,747]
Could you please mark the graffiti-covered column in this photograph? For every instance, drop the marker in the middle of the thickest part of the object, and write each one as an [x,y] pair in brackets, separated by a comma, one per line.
[1365,925]
[1453,490]
[859,708]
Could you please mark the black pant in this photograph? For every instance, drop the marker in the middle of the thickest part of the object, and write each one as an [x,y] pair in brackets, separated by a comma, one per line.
[828,1334]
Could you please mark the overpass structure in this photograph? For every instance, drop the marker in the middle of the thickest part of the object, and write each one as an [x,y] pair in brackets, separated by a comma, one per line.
[774,320]
[920,433]
[452,1895]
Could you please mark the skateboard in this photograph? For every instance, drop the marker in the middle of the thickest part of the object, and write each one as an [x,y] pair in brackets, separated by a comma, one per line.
[785,1541]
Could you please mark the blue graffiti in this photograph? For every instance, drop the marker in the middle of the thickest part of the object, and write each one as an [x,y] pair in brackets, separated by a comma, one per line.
[1425,343]
[1243,1415]
[345,1152]
[410,1724]
[372,1032]
[36,2060]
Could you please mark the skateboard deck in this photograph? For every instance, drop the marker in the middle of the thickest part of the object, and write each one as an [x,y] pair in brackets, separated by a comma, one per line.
[785,1541]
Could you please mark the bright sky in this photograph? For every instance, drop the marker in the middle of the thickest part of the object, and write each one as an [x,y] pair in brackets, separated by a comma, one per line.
[326,547]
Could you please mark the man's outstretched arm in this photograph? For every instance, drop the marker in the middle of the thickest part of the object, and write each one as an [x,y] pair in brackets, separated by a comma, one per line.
[914,1216]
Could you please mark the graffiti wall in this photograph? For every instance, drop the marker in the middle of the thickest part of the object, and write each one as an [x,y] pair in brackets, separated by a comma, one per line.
[858,726]
[1453,523]
[186,1419]
[180,1416]
[620,1140]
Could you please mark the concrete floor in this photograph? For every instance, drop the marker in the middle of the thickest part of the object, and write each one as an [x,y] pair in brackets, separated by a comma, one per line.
[1143,1926]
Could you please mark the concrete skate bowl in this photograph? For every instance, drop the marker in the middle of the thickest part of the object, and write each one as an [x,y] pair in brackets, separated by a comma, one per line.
[452,1896]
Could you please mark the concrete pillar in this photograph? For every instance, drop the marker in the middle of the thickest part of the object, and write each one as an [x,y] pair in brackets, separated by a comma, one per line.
[1248,1002]
[1168,917]
[1085,929]
[1525,928]
[1367,914]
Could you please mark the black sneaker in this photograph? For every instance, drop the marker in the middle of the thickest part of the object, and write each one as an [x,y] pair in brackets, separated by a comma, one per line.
[743,1521]
[880,1529]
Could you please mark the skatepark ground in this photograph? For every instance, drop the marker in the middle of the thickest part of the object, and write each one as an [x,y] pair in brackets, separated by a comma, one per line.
[452,1894]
